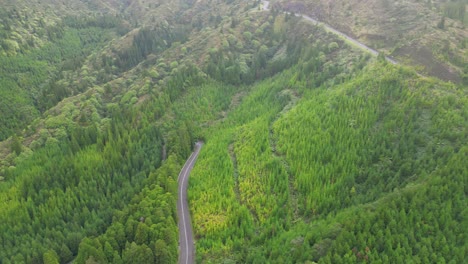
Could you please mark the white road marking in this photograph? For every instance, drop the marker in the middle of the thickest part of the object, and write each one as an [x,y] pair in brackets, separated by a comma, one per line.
[184,173]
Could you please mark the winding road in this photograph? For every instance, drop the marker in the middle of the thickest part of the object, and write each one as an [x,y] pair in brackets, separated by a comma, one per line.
[266,5]
[186,246]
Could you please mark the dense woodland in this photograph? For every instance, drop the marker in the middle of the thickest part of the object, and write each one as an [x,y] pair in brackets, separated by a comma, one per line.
[336,206]
[314,151]
[34,81]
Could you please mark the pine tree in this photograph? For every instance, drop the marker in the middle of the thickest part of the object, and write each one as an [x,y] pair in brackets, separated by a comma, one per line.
[65,254]
[51,257]
[16,145]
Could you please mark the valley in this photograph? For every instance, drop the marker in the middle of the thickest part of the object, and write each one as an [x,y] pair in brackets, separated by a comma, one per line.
[231,132]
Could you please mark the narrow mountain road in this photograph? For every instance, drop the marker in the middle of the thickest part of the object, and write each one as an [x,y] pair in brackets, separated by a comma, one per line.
[266,5]
[186,246]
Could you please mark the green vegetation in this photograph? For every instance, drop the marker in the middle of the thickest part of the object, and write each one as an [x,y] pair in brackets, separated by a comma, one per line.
[456,10]
[98,172]
[356,171]
[107,168]
[314,152]
[37,80]
[429,35]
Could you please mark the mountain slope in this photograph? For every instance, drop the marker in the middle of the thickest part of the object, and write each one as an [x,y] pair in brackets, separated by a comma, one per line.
[369,170]
[418,33]
[314,151]
[40,51]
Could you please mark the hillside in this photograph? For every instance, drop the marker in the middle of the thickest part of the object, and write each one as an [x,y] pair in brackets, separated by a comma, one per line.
[41,44]
[368,170]
[314,150]
[430,35]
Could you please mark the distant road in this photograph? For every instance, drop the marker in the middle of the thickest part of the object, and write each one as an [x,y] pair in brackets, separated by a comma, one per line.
[186,247]
[266,5]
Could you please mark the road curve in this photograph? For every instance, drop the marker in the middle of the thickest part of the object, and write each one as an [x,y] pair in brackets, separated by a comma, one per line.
[186,247]
[265,7]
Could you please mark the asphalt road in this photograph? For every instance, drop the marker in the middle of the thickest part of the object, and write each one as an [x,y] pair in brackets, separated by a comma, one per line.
[266,4]
[186,246]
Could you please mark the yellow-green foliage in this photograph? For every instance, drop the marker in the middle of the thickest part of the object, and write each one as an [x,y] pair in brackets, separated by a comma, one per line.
[263,182]
[340,152]
[313,152]
[216,169]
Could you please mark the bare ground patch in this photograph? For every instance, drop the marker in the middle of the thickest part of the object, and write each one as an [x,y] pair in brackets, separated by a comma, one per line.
[422,56]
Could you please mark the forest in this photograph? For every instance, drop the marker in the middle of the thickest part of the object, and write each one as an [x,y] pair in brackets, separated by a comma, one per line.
[395,196]
[314,151]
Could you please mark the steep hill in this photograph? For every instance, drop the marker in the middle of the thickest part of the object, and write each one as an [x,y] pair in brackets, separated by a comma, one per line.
[368,170]
[314,150]
[430,35]
[41,42]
